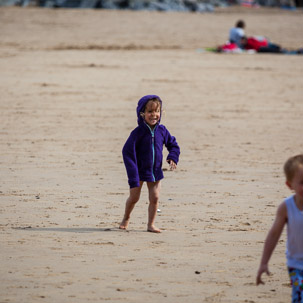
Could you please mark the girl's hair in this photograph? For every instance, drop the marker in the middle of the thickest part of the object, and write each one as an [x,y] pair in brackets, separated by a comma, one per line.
[291,166]
[154,100]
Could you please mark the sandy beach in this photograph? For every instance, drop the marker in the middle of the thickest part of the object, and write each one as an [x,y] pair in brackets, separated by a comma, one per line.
[70,82]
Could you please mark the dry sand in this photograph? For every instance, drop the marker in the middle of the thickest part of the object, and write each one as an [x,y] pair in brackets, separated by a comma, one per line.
[70,80]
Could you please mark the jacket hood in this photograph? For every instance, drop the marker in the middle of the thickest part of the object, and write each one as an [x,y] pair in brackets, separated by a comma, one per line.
[141,106]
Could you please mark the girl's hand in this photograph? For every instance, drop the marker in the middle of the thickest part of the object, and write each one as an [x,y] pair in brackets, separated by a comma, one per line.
[172,164]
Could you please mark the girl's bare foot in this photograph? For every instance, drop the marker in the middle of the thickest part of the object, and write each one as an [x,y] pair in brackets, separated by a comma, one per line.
[153,229]
[124,224]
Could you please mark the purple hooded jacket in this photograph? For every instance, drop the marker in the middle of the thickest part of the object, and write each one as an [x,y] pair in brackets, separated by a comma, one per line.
[142,152]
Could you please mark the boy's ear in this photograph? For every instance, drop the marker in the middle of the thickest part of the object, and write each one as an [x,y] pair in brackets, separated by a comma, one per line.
[288,184]
[141,114]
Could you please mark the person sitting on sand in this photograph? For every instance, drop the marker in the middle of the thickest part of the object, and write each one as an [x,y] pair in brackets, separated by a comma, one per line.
[142,155]
[289,212]
[237,32]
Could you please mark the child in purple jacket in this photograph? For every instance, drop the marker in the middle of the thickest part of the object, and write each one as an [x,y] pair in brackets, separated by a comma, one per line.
[142,155]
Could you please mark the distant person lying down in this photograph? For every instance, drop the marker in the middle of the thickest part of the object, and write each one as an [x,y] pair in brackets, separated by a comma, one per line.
[255,44]
[263,45]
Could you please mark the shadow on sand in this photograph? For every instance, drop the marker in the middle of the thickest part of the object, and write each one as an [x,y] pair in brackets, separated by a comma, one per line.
[68,229]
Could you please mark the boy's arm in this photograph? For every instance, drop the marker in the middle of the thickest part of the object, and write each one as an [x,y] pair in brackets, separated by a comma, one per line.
[272,240]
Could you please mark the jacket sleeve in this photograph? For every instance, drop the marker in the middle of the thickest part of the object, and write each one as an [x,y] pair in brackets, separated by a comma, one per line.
[130,160]
[172,147]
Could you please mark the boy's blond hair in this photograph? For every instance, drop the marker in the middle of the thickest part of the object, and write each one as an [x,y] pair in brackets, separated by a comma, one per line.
[291,166]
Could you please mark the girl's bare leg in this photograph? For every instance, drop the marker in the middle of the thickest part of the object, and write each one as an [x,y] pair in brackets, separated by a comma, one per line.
[134,196]
[154,193]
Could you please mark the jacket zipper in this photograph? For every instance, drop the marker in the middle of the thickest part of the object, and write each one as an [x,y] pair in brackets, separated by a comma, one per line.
[153,148]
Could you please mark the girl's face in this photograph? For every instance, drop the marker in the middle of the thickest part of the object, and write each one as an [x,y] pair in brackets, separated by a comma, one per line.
[152,113]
